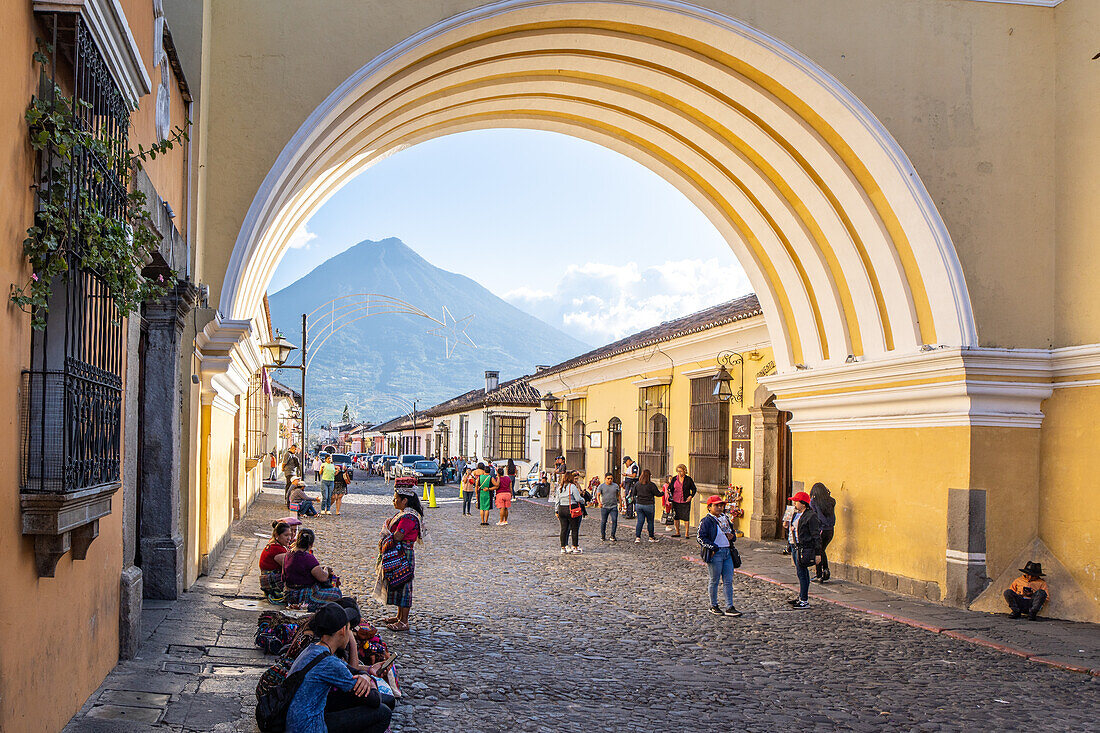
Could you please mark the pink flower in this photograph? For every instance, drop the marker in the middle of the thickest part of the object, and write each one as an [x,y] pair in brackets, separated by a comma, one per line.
[160,278]
[34,277]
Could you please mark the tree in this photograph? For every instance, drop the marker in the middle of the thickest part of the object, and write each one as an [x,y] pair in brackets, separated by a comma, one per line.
[347,415]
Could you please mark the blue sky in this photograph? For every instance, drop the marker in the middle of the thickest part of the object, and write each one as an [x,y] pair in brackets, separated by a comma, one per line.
[575,234]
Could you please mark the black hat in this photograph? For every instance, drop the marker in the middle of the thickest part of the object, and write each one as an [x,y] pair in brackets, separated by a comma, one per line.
[351,605]
[331,618]
[1032,568]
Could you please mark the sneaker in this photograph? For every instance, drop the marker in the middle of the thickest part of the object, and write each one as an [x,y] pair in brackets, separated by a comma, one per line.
[637,539]
[654,539]
[1015,614]
[603,539]
[578,551]
[793,601]
[716,611]
[563,550]
[614,540]
[731,611]
[800,605]
[1032,617]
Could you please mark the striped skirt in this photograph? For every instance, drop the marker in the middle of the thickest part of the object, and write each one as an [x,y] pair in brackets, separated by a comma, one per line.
[271,583]
[401,596]
[313,597]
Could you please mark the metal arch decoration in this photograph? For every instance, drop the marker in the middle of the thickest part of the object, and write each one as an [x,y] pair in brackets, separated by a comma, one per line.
[349,309]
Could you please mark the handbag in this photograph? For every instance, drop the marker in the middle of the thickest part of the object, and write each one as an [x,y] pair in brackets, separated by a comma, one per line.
[272,706]
[805,556]
[577,510]
[396,568]
[735,556]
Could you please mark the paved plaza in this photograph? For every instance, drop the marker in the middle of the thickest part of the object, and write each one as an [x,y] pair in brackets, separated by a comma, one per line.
[509,635]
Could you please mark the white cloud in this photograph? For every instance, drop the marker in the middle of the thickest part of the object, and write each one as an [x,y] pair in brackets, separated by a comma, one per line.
[599,302]
[301,238]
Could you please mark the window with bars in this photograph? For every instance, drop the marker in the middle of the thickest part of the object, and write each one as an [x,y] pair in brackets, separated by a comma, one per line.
[653,429]
[256,421]
[464,434]
[574,418]
[554,445]
[709,436]
[71,411]
[511,435]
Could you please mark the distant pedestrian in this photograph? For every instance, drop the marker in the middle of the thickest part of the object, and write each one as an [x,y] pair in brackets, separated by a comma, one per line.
[468,487]
[273,463]
[340,483]
[716,536]
[570,508]
[609,495]
[504,493]
[804,537]
[645,495]
[486,484]
[681,491]
[316,466]
[291,466]
[824,505]
[630,480]
[328,481]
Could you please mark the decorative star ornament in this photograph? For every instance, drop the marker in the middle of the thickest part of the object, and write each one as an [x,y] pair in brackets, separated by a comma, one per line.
[453,331]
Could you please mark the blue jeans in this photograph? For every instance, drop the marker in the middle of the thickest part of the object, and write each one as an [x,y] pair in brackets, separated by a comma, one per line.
[803,576]
[326,495]
[605,512]
[721,566]
[467,502]
[645,516]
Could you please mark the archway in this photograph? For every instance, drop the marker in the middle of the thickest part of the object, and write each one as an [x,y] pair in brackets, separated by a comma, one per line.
[839,238]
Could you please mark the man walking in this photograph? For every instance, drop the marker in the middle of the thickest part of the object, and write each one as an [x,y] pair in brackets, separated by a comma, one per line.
[292,466]
[609,495]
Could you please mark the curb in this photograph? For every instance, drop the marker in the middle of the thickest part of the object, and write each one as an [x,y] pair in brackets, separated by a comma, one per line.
[1004,648]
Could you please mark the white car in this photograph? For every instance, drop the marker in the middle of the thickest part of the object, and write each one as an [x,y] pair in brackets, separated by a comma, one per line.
[523,468]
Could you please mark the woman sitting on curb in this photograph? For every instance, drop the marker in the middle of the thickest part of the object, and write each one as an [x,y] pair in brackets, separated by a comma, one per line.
[330,697]
[298,500]
[272,559]
[307,583]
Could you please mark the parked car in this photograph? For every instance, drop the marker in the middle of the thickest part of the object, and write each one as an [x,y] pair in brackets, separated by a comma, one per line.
[523,468]
[406,461]
[426,472]
[343,459]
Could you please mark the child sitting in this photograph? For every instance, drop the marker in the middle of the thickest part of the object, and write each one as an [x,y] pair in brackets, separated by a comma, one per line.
[1028,593]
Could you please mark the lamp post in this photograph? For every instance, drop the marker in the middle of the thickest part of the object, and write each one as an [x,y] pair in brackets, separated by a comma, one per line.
[278,351]
[415,402]
[723,380]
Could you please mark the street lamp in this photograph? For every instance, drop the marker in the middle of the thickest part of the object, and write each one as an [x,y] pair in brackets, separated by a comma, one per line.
[723,380]
[279,351]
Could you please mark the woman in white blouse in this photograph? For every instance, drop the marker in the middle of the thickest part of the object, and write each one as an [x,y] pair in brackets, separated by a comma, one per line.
[570,502]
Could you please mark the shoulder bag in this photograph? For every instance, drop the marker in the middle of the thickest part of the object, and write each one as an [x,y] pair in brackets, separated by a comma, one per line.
[396,567]
[272,706]
[575,510]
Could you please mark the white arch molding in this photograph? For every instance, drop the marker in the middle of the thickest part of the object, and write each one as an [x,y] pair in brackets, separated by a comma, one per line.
[832,224]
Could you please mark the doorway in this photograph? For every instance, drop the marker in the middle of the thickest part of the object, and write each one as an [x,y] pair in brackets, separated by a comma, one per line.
[615,448]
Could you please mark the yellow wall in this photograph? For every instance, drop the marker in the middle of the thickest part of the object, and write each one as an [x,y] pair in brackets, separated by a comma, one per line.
[890,488]
[218,503]
[619,398]
[1067,496]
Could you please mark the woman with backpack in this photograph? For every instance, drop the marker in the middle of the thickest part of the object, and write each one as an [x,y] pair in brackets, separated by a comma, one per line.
[570,508]
[824,505]
[804,537]
[328,696]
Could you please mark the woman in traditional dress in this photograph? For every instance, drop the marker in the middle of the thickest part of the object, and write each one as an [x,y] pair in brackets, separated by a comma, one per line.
[400,532]
[307,583]
[487,482]
[272,559]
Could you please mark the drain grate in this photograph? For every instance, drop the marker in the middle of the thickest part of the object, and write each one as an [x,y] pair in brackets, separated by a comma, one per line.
[182,667]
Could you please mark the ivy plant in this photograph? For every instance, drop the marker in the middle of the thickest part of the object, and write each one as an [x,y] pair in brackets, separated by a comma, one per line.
[70,226]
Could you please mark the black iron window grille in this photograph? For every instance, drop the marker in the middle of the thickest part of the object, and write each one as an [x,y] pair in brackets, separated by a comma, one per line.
[257,417]
[709,434]
[574,418]
[653,429]
[71,412]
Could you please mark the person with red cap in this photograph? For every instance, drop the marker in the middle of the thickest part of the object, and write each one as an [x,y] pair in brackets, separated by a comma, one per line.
[804,538]
[716,536]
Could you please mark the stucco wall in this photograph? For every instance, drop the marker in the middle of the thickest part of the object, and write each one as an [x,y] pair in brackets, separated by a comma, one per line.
[978,129]
[219,499]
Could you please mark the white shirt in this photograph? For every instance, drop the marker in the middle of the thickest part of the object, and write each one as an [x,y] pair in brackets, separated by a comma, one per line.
[631,471]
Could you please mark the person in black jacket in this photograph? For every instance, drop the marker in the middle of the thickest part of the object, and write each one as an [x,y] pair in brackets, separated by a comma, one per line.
[680,493]
[824,506]
[804,537]
[644,493]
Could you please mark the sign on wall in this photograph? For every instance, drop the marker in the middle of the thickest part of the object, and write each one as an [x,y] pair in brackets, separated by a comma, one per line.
[596,439]
[739,453]
[742,427]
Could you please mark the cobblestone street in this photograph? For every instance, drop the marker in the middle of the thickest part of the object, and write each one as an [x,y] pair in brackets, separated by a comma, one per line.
[509,635]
